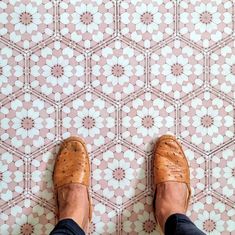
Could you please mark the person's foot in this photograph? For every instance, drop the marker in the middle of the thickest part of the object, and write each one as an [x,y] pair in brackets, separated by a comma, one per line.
[73,204]
[171,198]
[71,181]
[171,178]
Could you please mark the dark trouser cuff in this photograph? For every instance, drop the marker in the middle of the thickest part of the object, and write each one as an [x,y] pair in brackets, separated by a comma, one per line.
[180,224]
[67,227]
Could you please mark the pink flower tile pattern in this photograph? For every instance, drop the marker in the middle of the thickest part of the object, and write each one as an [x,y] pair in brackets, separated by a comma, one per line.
[223,179]
[198,164]
[144,118]
[138,218]
[84,116]
[27,123]
[118,70]
[206,23]
[12,176]
[147,23]
[26,23]
[86,22]
[104,218]
[121,176]
[207,124]
[41,169]
[11,70]
[57,75]
[119,74]
[222,69]
[176,69]
[212,215]
[27,217]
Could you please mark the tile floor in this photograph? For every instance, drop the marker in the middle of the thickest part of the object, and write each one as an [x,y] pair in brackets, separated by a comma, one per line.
[119,74]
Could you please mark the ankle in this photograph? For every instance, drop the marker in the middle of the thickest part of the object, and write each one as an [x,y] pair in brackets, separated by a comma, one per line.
[81,219]
[164,214]
[74,204]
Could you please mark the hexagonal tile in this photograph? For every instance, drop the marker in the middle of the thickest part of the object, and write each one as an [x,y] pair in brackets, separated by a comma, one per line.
[222,69]
[57,71]
[119,174]
[27,217]
[11,176]
[118,70]
[207,22]
[26,23]
[11,71]
[41,170]
[27,123]
[212,216]
[223,172]
[104,219]
[90,117]
[147,23]
[206,121]
[176,69]
[139,218]
[87,22]
[145,118]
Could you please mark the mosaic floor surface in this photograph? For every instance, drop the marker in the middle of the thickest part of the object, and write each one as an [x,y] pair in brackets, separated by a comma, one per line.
[119,74]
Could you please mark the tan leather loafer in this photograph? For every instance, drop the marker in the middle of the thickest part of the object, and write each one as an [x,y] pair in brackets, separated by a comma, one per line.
[72,166]
[170,164]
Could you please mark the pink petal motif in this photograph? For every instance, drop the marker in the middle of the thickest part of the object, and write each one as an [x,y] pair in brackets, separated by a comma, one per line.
[204,119]
[176,69]
[205,23]
[55,74]
[118,70]
[147,23]
[29,128]
[222,69]
[11,69]
[27,217]
[28,24]
[207,214]
[87,22]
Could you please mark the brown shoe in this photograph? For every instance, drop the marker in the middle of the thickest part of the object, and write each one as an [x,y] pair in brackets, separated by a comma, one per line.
[72,166]
[170,165]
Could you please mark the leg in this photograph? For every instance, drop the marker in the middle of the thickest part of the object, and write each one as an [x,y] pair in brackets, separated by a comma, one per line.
[71,181]
[178,224]
[67,227]
[171,177]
